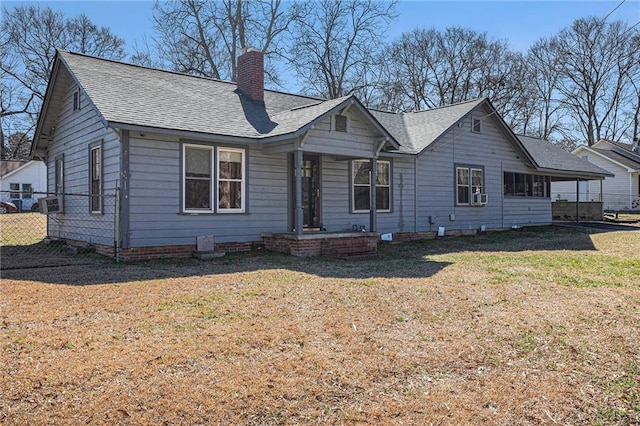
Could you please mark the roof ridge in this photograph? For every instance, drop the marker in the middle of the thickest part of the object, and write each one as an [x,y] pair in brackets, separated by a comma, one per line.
[217,80]
[447,106]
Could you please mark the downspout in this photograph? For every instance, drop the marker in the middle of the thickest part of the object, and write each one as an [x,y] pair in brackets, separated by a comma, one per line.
[578,200]
[124,207]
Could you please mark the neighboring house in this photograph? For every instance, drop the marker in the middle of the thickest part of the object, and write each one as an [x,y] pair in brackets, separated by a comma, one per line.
[619,192]
[193,157]
[22,181]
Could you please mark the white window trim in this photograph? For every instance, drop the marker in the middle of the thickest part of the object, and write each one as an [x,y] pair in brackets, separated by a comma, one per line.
[184,178]
[353,187]
[242,181]
[13,192]
[214,171]
[24,193]
[470,170]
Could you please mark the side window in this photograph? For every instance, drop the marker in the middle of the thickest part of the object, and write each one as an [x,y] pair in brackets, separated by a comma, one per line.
[197,178]
[231,184]
[476,125]
[213,174]
[95,178]
[469,181]
[340,123]
[526,185]
[361,187]
[76,100]
[27,190]
[15,190]
[59,175]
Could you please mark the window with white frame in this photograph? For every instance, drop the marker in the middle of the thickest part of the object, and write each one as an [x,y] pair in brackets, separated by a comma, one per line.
[95,178]
[14,189]
[361,185]
[230,180]
[202,184]
[469,181]
[27,191]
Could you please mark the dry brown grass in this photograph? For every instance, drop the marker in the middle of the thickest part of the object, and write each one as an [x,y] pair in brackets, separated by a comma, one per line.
[535,327]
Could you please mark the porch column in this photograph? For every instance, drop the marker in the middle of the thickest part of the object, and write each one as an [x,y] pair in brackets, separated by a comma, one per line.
[577,200]
[601,199]
[297,221]
[373,211]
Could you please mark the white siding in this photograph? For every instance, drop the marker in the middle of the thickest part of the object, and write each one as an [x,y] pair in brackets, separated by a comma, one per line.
[617,192]
[34,173]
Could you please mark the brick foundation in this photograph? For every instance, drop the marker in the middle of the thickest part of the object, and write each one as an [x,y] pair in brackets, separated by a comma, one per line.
[332,245]
[102,249]
[182,251]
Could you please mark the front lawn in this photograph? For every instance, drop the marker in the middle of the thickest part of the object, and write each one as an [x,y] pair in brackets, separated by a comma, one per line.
[532,327]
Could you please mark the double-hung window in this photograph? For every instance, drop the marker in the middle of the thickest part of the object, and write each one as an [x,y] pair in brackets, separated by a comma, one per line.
[210,174]
[469,181]
[27,191]
[95,178]
[15,190]
[230,180]
[361,185]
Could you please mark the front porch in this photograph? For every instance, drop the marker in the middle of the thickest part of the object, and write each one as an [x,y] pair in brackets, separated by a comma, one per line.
[329,244]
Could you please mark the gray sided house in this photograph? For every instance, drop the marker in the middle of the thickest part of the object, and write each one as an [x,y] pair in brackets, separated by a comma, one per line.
[189,157]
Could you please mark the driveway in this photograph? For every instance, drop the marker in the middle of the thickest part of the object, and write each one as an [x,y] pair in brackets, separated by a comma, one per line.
[605,226]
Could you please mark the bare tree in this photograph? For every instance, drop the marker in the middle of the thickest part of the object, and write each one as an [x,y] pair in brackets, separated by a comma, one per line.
[597,60]
[435,68]
[543,76]
[29,37]
[17,147]
[205,37]
[336,42]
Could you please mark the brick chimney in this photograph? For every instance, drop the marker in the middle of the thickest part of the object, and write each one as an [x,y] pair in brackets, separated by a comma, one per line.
[251,73]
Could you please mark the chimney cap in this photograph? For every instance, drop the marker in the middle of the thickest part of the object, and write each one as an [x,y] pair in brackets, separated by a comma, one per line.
[250,49]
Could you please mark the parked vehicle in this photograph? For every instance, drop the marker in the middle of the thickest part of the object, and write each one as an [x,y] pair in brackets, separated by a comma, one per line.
[7,207]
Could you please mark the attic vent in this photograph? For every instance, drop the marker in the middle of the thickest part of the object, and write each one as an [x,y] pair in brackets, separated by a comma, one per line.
[477,125]
[340,123]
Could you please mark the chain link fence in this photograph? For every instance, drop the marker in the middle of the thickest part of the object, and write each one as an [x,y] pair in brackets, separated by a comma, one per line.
[58,230]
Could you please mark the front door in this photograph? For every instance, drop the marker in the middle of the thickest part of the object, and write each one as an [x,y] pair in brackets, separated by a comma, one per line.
[310,191]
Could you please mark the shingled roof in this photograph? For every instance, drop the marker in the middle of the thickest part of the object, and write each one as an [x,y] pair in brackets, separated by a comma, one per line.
[139,98]
[552,158]
[418,130]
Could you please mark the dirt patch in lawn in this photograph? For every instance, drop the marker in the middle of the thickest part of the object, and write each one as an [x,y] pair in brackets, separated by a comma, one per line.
[530,327]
